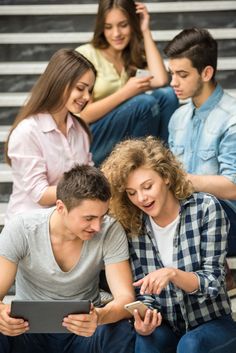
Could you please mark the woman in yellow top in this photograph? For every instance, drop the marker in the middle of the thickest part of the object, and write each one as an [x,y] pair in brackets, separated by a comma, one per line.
[122,45]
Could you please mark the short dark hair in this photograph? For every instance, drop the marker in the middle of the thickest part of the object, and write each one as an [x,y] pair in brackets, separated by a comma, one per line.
[80,183]
[195,44]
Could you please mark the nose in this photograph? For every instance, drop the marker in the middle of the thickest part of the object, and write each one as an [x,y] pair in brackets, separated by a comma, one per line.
[141,197]
[173,81]
[86,95]
[115,31]
[96,225]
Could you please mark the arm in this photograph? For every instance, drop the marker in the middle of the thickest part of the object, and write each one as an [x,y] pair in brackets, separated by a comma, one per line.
[96,110]
[157,280]
[119,279]
[217,185]
[49,196]
[208,278]
[8,325]
[154,60]
[120,282]
[29,165]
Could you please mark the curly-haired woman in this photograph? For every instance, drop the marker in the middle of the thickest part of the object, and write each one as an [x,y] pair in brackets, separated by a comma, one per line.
[177,244]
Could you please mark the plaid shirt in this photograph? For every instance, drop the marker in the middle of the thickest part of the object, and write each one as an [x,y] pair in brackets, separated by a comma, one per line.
[199,246]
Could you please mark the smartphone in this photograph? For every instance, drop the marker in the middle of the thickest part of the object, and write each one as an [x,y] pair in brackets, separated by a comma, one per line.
[142,73]
[141,307]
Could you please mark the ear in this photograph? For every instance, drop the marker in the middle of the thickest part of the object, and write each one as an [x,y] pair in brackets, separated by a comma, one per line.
[207,73]
[60,206]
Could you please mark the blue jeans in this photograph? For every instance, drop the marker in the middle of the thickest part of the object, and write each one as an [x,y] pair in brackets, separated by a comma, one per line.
[113,338]
[142,115]
[216,336]
[232,231]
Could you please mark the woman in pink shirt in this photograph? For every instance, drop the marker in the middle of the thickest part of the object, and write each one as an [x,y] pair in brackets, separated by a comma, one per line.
[46,138]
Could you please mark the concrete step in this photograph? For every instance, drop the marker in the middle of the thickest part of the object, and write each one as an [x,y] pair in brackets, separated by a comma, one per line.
[5,173]
[36,68]
[86,9]
[82,37]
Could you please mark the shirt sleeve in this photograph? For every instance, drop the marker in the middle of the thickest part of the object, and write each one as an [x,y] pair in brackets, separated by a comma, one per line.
[215,228]
[116,245]
[227,153]
[13,243]
[27,161]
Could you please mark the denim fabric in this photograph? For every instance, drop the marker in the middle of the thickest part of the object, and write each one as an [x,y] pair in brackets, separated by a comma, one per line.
[142,115]
[204,139]
[113,338]
[216,336]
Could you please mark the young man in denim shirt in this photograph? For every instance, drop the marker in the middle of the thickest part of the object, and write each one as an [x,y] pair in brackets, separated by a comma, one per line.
[202,133]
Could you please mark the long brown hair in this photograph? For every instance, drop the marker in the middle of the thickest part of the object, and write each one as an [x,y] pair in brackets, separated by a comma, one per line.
[54,86]
[133,54]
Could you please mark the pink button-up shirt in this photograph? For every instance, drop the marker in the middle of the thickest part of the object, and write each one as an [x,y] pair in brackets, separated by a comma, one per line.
[40,154]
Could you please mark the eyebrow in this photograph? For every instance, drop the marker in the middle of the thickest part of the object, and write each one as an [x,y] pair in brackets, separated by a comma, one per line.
[141,183]
[178,71]
[110,24]
[83,83]
[90,215]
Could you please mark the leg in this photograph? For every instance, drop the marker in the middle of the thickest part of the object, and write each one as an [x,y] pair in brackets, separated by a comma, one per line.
[168,102]
[112,338]
[218,336]
[137,117]
[28,343]
[162,340]
[4,344]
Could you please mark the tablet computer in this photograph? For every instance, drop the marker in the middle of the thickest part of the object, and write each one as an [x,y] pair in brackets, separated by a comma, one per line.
[47,316]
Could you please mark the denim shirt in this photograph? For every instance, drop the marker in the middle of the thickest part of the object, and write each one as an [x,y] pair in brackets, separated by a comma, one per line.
[204,139]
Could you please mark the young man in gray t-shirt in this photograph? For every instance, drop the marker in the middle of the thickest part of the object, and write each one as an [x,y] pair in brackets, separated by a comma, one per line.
[57,254]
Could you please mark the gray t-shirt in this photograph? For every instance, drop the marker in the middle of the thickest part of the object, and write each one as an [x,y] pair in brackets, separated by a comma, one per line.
[25,240]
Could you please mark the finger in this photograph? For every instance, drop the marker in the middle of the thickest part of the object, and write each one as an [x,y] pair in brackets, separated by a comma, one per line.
[159,318]
[148,317]
[137,317]
[138,283]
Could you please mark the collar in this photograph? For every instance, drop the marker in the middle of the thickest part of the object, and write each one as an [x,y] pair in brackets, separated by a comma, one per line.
[209,104]
[46,122]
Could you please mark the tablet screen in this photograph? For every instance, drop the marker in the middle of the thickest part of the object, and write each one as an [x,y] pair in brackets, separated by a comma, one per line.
[47,316]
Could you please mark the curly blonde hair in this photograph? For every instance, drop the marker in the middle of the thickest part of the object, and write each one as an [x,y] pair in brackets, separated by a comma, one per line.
[130,155]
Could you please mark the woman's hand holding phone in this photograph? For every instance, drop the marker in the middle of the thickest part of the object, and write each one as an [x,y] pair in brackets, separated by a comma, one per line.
[146,320]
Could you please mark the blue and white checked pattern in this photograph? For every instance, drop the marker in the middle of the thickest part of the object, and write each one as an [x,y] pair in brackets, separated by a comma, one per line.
[200,247]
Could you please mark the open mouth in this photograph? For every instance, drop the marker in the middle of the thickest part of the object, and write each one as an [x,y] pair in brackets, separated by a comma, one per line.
[149,205]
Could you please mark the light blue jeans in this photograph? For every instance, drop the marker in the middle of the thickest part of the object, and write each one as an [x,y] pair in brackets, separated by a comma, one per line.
[142,115]
[216,336]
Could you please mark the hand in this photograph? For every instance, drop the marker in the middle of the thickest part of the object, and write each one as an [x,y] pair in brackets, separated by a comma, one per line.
[82,324]
[150,322]
[155,281]
[137,85]
[141,9]
[10,326]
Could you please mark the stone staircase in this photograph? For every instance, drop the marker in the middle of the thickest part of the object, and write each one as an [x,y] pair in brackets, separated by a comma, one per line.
[32,30]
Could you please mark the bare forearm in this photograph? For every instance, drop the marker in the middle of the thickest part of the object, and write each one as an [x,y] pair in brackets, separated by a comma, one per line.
[217,185]
[154,61]
[114,311]
[186,281]
[49,197]
[96,110]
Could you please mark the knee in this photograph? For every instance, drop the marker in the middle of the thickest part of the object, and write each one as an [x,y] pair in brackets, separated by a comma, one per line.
[190,344]
[166,95]
[145,104]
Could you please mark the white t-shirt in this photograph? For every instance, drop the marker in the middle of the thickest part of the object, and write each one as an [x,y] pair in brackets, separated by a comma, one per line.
[164,237]
[26,241]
